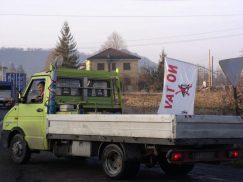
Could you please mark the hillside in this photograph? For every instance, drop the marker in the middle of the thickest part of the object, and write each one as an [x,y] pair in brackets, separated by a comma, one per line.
[33,60]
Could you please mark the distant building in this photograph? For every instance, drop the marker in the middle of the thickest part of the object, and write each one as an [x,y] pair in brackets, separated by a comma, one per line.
[18,80]
[111,59]
[3,71]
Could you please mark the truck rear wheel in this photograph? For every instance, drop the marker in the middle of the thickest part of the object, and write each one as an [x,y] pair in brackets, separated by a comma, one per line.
[115,165]
[19,150]
[175,169]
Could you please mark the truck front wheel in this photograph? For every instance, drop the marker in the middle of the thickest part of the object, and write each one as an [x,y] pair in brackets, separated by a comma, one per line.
[115,164]
[19,150]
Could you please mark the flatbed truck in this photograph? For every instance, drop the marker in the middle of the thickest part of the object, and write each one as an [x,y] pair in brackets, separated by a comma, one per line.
[121,141]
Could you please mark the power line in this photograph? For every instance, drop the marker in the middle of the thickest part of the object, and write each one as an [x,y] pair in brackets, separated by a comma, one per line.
[179,41]
[188,35]
[174,36]
[188,40]
[121,16]
[174,42]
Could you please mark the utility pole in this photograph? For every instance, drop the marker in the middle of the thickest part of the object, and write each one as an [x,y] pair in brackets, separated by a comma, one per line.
[198,72]
[209,69]
[212,73]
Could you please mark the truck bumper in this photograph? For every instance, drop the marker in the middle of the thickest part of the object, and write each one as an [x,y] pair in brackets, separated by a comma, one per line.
[5,138]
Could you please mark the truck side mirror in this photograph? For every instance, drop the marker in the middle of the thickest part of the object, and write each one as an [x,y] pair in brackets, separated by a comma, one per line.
[21,99]
[19,95]
[19,92]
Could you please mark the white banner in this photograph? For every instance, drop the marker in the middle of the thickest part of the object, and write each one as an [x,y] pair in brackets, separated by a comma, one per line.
[179,88]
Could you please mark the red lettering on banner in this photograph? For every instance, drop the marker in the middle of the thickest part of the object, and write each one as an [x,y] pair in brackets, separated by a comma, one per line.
[168,106]
[170,90]
[171,77]
[172,69]
[170,98]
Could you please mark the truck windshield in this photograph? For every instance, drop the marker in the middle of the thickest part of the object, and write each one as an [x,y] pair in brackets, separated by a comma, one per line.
[35,93]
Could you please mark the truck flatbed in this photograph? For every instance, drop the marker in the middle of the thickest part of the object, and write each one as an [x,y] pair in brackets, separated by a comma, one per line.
[148,129]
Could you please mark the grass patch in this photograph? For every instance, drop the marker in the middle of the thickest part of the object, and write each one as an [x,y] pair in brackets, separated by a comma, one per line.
[206,102]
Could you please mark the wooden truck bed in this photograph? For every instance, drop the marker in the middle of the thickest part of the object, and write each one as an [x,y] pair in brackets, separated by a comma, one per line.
[148,129]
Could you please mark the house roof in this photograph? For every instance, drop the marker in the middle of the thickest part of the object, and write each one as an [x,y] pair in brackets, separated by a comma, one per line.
[112,54]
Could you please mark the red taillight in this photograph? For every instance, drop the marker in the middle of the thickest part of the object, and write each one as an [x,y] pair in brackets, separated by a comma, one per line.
[176,156]
[234,154]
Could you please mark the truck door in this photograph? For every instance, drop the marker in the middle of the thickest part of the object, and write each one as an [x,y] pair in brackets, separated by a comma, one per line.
[32,113]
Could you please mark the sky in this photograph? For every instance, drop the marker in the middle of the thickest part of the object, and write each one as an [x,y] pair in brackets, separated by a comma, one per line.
[186,29]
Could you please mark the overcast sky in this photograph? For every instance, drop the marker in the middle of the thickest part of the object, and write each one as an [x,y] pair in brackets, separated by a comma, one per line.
[186,29]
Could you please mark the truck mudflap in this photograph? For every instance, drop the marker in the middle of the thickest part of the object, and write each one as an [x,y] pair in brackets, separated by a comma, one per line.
[4,138]
[194,156]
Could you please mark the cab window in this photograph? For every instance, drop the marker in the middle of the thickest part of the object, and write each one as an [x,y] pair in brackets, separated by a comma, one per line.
[35,93]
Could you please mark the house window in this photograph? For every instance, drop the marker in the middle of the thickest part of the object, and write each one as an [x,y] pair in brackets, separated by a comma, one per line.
[113,66]
[100,66]
[126,66]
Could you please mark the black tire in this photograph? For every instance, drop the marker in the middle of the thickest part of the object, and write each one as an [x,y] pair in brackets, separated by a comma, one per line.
[115,164]
[174,169]
[19,150]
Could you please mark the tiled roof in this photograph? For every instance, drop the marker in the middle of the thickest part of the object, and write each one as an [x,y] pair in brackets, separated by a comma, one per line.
[112,54]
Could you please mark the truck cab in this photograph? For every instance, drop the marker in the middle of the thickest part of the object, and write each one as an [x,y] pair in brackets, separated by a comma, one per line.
[77,92]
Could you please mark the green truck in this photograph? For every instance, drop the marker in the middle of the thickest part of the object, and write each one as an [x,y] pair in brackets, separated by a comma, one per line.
[87,121]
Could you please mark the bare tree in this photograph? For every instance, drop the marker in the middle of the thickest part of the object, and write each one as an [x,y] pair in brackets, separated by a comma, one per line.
[50,58]
[147,79]
[219,78]
[20,69]
[153,78]
[114,41]
[12,68]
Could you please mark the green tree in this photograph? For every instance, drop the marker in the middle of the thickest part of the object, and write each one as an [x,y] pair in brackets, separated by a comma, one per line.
[160,71]
[66,47]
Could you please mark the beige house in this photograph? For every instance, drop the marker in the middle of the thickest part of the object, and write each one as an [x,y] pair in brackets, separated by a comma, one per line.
[112,59]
